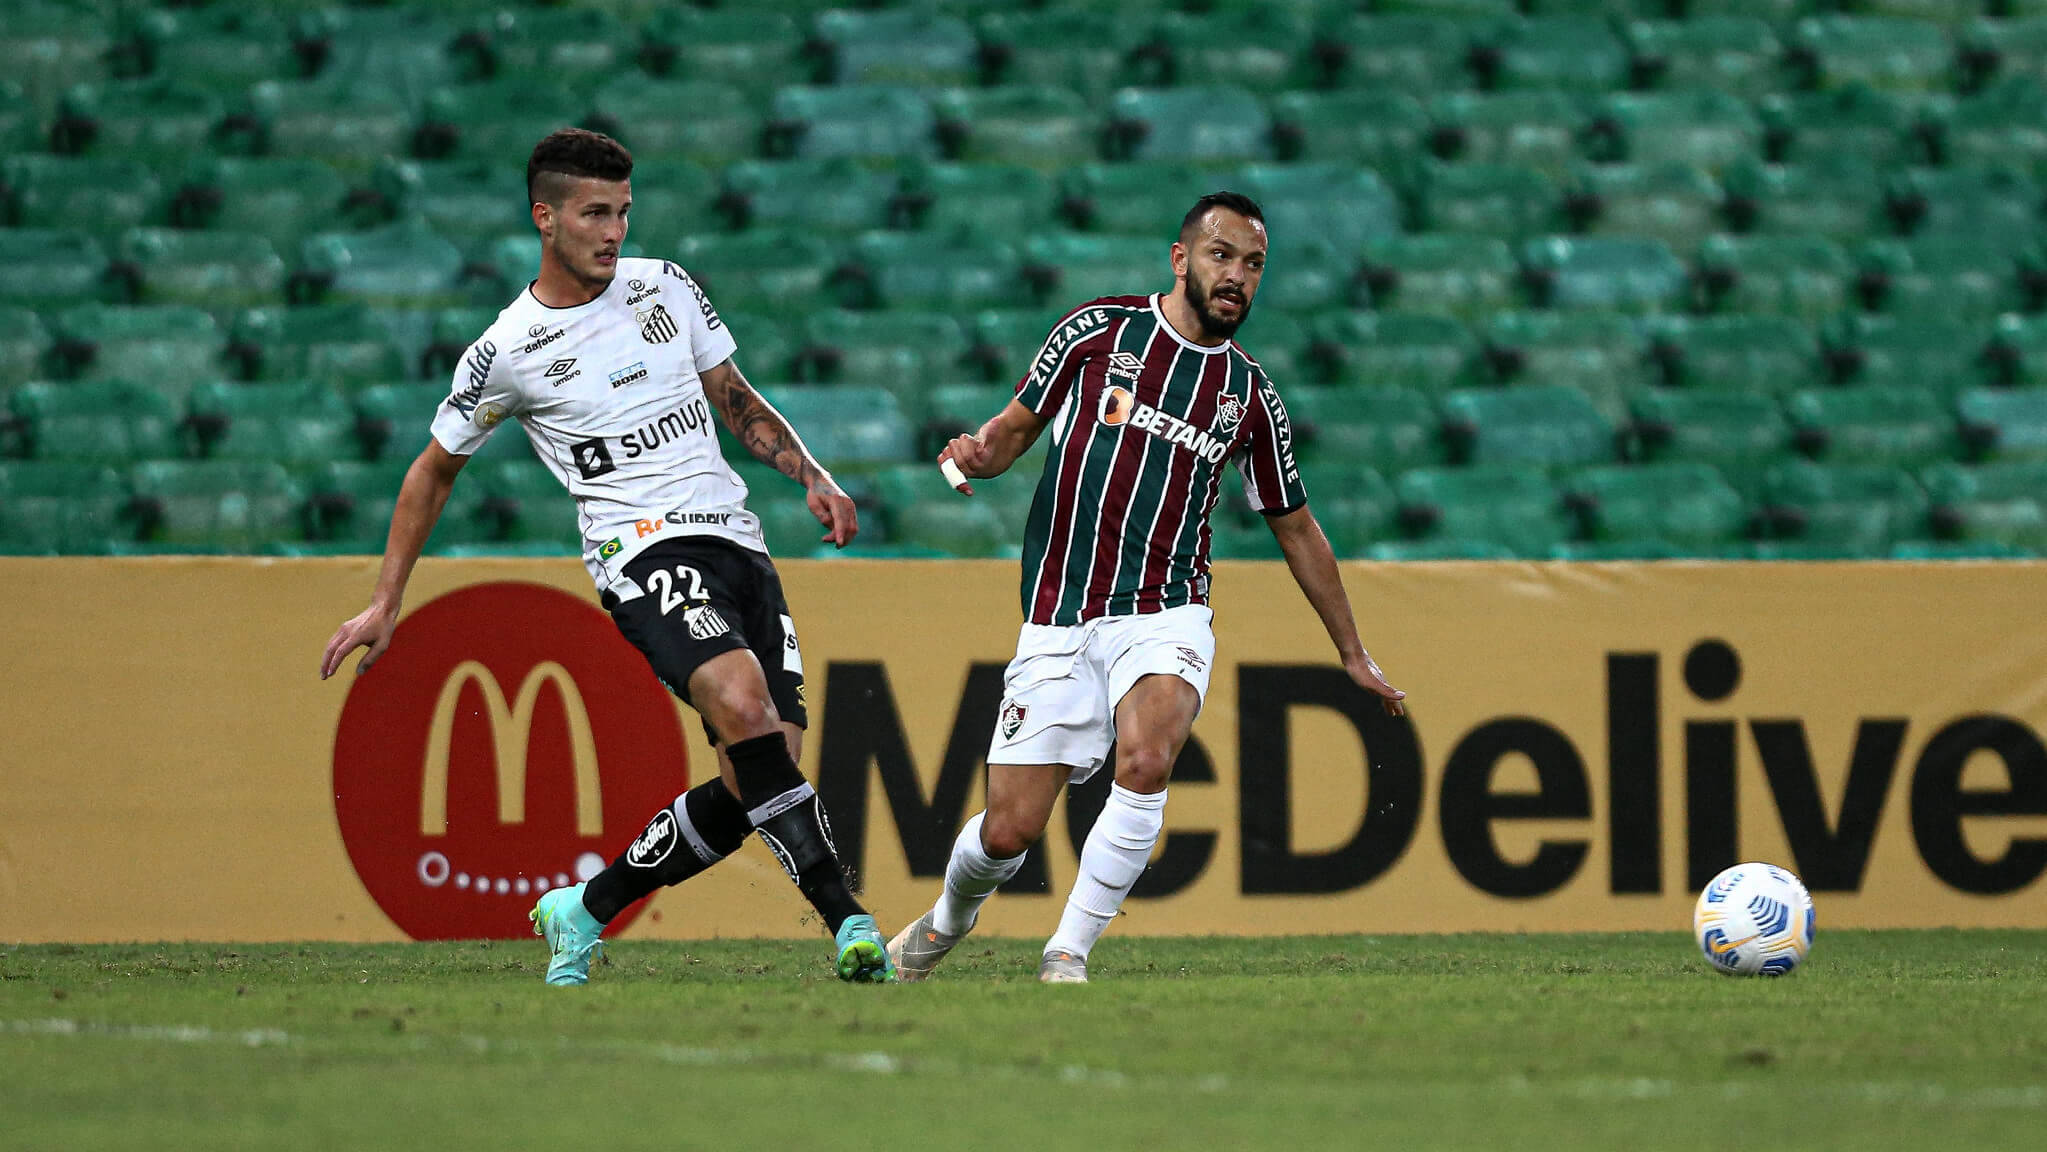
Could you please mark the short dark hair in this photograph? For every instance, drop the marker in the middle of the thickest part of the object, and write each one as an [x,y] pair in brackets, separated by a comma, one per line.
[574,153]
[1236,202]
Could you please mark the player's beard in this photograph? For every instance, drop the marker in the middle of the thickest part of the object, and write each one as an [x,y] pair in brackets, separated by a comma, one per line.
[1200,298]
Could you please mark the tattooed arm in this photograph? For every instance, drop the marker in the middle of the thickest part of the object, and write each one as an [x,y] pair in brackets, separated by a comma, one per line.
[772,441]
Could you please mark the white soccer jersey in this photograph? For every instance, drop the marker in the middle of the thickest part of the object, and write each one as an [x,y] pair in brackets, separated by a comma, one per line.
[611,395]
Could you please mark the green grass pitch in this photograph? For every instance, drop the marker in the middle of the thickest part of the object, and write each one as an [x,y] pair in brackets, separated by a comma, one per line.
[1920,1040]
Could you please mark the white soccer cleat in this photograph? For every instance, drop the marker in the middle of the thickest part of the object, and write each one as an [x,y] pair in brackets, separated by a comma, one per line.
[1059,967]
[917,949]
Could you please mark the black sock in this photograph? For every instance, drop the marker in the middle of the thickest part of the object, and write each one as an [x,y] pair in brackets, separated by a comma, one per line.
[784,809]
[702,827]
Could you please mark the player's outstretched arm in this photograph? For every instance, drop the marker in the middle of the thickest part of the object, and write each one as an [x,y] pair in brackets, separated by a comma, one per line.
[990,452]
[1310,559]
[772,441]
[420,500]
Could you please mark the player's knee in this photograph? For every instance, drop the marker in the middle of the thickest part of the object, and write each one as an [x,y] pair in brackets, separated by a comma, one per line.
[1005,835]
[737,713]
[1143,770]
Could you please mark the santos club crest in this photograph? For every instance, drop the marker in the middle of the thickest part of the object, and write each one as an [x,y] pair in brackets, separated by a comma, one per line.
[656,325]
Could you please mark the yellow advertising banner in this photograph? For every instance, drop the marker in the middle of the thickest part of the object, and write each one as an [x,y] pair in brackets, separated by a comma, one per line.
[1586,746]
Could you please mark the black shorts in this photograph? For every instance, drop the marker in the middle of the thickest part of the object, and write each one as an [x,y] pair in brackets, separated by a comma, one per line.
[704,597]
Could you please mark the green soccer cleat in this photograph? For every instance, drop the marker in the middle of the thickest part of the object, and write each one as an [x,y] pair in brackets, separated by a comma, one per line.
[572,934]
[863,957]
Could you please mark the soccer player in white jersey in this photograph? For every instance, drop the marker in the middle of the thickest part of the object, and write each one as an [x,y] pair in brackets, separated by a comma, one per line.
[614,367]
[1147,397]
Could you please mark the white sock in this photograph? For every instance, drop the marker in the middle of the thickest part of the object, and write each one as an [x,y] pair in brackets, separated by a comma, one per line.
[1114,857]
[970,876]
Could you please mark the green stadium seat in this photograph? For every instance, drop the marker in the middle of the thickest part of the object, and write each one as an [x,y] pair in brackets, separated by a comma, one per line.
[815,195]
[1973,278]
[670,202]
[394,420]
[901,46]
[1262,49]
[1354,505]
[102,196]
[349,502]
[867,120]
[1546,425]
[169,348]
[213,270]
[1430,354]
[1947,13]
[1377,129]
[1396,53]
[229,505]
[342,344]
[1988,203]
[1080,267]
[1479,13]
[934,271]
[1440,549]
[24,346]
[2000,126]
[524,502]
[1306,276]
[1888,54]
[1903,427]
[1139,199]
[768,342]
[1564,53]
[403,50]
[901,351]
[278,198]
[1992,53]
[48,46]
[1281,345]
[1737,55]
[957,527]
[2002,424]
[762,270]
[223,51]
[2000,503]
[1533,129]
[1515,509]
[957,408]
[107,420]
[1002,199]
[561,547]
[1807,278]
[49,508]
[1685,505]
[1857,509]
[1390,429]
[1599,353]
[21,121]
[1198,125]
[44,268]
[788,526]
[1840,200]
[1764,355]
[349,126]
[1442,274]
[1006,339]
[294,423]
[405,265]
[1488,200]
[1631,549]
[154,120]
[1334,205]
[1855,122]
[748,47]
[2017,352]
[499,119]
[1934,354]
[1676,205]
[1083,50]
[580,47]
[469,202]
[906,486]
[1604,273]
[857,428]
[1948,550]
[722,124]
[1739,433]
[1703,129]
[1040,126]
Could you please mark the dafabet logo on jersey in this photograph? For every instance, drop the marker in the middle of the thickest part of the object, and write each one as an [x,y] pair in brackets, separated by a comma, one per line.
[478,766]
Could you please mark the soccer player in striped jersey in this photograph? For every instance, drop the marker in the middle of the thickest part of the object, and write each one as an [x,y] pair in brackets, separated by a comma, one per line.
[1148,397]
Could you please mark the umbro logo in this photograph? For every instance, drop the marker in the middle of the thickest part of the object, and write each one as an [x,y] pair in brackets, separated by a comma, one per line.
[1125,364]
[562,371]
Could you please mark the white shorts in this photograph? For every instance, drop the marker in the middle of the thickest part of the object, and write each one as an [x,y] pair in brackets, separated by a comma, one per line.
[1059,695]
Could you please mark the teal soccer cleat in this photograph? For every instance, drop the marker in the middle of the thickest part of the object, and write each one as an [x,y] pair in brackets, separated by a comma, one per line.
[572,935]
[863,957]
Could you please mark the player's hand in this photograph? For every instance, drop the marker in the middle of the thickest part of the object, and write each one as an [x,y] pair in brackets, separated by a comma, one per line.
[1365,672]
[972,456]
[833,509]
[372,630]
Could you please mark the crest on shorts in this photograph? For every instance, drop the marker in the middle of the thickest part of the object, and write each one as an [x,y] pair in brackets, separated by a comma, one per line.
[1012,719]
[656,325]
[704,622]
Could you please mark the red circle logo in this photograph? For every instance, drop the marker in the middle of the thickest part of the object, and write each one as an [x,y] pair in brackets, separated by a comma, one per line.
[509,742]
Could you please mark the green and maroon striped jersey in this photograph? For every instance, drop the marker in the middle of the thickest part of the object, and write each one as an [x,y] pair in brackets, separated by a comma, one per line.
[1142,422]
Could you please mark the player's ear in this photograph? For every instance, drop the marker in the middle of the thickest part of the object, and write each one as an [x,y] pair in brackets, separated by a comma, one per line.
[543,217]
[1179,260]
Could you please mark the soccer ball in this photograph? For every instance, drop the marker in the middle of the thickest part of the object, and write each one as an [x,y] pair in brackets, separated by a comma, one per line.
[1754,920]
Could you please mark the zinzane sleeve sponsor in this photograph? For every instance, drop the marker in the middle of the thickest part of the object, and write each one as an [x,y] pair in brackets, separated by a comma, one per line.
[1272,479]
[710,341]
[482,396]
[1045,387]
